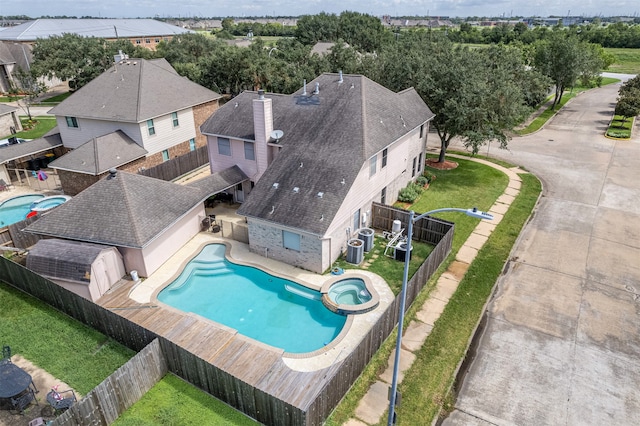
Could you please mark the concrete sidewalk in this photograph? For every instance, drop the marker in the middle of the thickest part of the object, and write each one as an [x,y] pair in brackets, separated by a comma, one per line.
[375,403]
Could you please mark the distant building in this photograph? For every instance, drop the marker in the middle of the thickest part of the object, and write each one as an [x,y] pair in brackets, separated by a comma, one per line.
[16,43]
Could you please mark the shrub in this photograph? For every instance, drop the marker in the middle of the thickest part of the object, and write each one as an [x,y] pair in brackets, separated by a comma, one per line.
[422,180]
[409,193]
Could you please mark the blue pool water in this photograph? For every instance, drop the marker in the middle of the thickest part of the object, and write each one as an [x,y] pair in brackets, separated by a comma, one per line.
[273,310]
[49,202]
[16,209]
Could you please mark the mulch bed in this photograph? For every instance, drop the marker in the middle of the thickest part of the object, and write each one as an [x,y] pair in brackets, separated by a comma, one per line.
[446,165]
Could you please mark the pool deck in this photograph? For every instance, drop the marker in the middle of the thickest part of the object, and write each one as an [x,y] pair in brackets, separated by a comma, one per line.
[208,339]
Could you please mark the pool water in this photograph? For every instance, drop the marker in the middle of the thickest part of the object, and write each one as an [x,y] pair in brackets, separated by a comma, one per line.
[16,209]
[351,291]
[275,311]
[49,202]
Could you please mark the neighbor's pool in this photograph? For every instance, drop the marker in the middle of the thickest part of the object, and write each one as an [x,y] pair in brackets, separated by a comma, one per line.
[269,309]
[47,203]
[16,209]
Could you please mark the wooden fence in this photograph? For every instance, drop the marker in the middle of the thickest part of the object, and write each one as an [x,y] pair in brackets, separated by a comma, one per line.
[214,379]
[176,167]
[13,236]
[428,229]
[107,401]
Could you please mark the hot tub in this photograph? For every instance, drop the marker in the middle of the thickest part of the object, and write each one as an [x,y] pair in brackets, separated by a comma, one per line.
[349,295]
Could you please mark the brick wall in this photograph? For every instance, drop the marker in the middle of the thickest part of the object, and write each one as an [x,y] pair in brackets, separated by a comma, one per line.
[263,236]
[200,114]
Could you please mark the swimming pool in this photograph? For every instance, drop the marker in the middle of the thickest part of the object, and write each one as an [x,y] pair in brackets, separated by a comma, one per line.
[266,308]
[16,209]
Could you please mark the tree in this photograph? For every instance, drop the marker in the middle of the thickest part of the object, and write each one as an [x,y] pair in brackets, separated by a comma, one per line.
[476,94]
[71,57]
[29,87]
[629,99]
[314,28]
[563,58]
[364,32]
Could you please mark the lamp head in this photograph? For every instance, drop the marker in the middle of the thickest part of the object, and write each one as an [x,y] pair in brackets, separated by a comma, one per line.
[474,212]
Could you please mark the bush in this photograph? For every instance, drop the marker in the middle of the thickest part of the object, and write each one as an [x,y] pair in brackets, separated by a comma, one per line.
[410,193]
[422,180]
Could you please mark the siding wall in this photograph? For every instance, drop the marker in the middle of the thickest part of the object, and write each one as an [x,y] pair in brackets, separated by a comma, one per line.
[166,135]
[88,129]
[221,162]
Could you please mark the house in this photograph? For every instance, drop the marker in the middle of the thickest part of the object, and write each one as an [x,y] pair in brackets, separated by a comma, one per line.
[318,158]
[146,219]
[136,102]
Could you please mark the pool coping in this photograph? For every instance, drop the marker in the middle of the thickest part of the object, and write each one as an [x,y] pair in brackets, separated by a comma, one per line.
[347,340]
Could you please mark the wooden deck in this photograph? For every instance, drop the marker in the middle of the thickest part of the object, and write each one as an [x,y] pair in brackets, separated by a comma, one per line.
[254,363]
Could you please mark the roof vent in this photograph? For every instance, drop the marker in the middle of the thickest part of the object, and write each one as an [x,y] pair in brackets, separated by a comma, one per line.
[341,79]
[276,185]
[317,89]
[304,87]
[273,209]
[236,105]
[320,194]
[261,94]
[343,181]
[112,174]
[321,217]
[296,190]
[301,164]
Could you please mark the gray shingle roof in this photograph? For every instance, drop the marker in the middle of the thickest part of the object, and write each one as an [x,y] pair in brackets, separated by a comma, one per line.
[6,109]
[47,142]
[134,91]
[218,182]
[100,154]
[129,210]
[330,134]
[104,28]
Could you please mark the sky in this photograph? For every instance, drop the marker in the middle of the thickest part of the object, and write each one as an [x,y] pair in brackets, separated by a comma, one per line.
[244,8]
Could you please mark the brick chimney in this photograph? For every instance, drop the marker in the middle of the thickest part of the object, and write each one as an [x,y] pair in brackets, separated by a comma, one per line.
[262,127]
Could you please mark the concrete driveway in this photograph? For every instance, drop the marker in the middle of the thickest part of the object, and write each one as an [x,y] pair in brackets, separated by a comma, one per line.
[563,338]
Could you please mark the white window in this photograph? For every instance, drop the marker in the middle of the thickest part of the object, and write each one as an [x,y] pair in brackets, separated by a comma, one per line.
[192,144]
[356,220]
[150,127]
[165,155]
[384,158]
[224,146]
[420,162]
[372,165]
[413,168]
[291,240]
[174,118]
[72,122]
[249,151]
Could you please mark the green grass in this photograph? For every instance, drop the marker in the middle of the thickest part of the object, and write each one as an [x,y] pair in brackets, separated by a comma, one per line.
[55,99]
[426,385]
[173,401]
[620,129]
[539,121]
[7,99]
[36,128]
[627,60]
[471,184]
[69,350]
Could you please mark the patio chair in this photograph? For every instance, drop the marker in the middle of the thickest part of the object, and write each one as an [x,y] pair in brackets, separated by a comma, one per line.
[6,354]
[4,186]
[59,402]
[21,402]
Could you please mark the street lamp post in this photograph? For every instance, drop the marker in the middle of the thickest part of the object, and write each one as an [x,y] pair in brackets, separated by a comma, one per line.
[403,295]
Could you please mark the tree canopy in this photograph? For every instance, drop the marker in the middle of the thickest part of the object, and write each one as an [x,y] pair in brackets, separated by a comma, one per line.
[76,58]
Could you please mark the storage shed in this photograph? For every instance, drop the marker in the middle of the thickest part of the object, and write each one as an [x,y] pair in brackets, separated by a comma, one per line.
[88,270]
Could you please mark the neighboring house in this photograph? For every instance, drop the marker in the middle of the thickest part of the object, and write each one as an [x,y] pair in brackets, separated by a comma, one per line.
[9,121]
[339,144]
[16,43]
[137,101]
[146,219]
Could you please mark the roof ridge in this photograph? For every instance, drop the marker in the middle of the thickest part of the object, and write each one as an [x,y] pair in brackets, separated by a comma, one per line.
[96,157]
[363,100]
[128,206]
[139,88]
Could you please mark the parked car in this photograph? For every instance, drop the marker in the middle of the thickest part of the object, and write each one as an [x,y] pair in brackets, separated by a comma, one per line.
[12,141]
